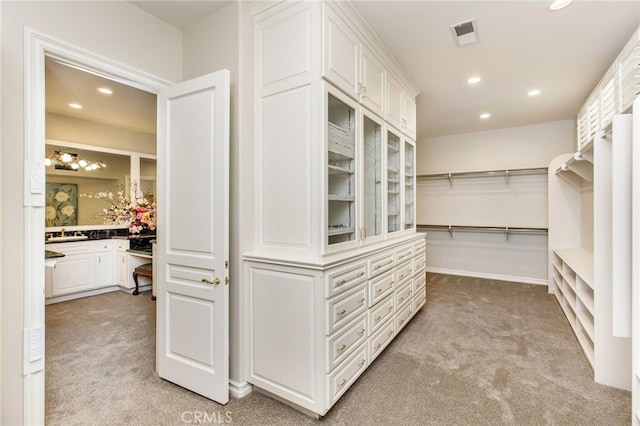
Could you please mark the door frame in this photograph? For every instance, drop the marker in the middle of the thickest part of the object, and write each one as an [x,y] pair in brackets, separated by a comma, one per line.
[38,46]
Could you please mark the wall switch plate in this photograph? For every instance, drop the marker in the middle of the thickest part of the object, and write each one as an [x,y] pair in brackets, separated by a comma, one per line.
[34,183]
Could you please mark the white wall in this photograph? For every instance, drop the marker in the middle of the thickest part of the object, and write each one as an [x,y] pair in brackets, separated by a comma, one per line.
[488,202]
[116,30]
[225,40]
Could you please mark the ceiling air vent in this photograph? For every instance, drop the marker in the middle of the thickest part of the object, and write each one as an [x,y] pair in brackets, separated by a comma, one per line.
[465,32]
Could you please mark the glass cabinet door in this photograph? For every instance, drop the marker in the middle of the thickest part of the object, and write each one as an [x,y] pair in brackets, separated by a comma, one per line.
[409,185]
[372,174]
[341,171]
[393,182]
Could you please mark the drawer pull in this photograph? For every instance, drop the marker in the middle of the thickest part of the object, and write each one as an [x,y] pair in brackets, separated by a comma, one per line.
[390,283]
[378,318]
[401,321]
[342,348]
[402,298]
[342,312]
[390,308]
[402,276]
[361,363]
[378,291]
[361,301]
[341,282]
[361,274]
[390,333]
[378,346]
[361,332]
[377,267]
[342,383]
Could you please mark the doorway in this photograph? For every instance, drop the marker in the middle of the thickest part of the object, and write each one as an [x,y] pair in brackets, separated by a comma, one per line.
[41,47]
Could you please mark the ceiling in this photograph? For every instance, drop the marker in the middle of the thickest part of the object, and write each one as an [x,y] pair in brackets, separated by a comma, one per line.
[522,46]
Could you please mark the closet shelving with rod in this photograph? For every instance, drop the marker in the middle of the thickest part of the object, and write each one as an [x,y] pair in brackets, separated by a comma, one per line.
[506,174]
[582,243]
[506,230]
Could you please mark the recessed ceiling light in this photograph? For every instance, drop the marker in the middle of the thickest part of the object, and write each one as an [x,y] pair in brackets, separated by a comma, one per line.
[75,106]
[474,80]
[485,115]
[559,4]
[534,92]
[105,91]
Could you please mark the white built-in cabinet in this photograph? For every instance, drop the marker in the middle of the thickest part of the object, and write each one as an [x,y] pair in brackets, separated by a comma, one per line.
[90,267]
[337,268]
[87,265]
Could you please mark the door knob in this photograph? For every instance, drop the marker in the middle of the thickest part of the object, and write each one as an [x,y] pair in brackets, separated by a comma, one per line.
[214,282]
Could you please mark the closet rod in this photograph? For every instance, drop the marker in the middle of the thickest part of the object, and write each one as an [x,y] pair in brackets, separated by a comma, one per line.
[484,228]
[478,173]
[504,229]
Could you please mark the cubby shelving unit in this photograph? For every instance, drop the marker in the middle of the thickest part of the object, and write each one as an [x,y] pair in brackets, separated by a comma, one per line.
[574,289]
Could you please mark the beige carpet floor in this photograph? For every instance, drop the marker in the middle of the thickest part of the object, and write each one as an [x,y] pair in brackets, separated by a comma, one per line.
[482,352]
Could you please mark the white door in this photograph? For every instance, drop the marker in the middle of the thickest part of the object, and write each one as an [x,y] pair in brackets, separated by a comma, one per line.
[192,238]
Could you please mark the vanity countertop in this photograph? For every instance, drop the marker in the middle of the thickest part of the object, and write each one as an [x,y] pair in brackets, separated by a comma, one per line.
[50,254]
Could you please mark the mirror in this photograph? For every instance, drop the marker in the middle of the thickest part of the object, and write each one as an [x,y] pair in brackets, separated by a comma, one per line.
[65,204]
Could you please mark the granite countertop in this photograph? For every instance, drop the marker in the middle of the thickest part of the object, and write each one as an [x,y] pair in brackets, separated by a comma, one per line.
[49,254]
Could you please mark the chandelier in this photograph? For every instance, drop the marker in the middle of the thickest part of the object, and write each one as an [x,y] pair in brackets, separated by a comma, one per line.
[69,161]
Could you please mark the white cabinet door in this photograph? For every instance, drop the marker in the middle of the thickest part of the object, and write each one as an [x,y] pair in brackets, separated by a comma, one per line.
[106,269]
[106,263]
[373,81]
[394,102]
[341,54]
[193,235]
[401,107]
[72,273]
[122,269]
[409,115]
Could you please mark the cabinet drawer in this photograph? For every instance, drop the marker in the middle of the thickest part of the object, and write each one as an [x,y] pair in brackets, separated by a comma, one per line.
[341,379]
[72,248]
[379,314]
[419,247]
[345,308]
[403,253]
[403,295]
[104,245]
[403,272]
[419,264]
[344,278]
[341,345]
[419,282]
[380,287]
[419,299]
[122,245]
[381,339]
[402,317]
[380,264]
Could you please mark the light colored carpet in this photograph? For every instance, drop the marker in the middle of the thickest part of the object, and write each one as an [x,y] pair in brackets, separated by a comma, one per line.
[482,352]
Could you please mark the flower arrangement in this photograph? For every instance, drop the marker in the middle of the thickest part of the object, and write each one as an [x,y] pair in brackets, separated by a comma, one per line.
[138,214]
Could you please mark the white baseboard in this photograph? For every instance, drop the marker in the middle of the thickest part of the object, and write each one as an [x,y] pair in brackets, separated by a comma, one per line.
[239,390]
[523,280]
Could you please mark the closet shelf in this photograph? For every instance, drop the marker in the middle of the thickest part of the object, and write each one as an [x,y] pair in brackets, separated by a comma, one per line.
[581,163]
[507,230]
[507,173]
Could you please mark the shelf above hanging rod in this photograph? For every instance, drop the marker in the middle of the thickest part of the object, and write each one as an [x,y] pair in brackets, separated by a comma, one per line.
[506,173]
[507,230]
